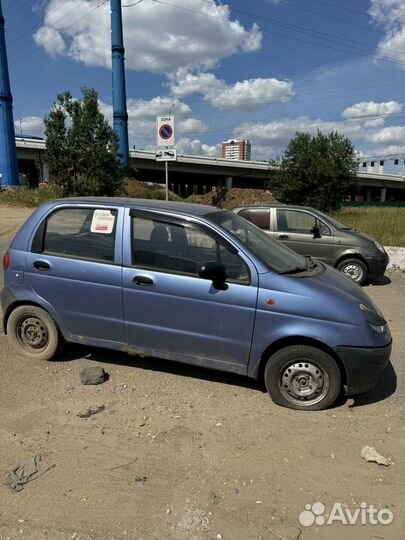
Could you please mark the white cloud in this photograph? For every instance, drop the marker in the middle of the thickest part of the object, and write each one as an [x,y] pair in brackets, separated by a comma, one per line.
[246,95]
[370,108]
[185,84]
[392,150]
[390,15]
[392,134]
[51,40]
[158,38]
[197,148]
[278,134]
[30,125]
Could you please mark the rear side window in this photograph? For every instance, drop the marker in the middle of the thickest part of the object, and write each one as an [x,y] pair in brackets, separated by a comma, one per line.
[86,233]
[259,217]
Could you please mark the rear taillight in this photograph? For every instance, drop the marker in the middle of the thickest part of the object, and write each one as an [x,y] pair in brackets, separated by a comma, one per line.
[6,261]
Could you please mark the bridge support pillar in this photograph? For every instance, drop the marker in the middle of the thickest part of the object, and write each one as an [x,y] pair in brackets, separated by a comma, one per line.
[383,194]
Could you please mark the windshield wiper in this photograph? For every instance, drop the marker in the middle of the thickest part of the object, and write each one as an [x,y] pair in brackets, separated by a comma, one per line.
[295,270]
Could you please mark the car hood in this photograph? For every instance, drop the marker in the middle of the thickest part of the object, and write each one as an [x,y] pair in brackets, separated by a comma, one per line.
[329,295]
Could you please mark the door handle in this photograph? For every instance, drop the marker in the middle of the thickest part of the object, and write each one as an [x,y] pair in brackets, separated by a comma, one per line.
[41,265]
[283,236]
[143,281]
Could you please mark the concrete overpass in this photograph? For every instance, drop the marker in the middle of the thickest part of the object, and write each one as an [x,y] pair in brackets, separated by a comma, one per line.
[197,174]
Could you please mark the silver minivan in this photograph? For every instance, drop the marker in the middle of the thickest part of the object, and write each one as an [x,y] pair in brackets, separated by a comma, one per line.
[311,232]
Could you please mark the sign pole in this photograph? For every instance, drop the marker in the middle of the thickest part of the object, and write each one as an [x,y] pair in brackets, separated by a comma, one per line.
[167,180]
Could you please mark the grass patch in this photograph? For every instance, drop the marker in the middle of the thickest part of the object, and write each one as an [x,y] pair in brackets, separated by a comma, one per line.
[29,197]
[386,225]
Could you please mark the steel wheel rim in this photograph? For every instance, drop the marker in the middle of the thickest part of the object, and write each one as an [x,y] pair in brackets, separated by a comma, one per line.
[32,334]
[353,271]
[304,383]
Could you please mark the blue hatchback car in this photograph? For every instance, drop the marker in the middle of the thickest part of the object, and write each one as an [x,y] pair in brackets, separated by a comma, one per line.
[194,284]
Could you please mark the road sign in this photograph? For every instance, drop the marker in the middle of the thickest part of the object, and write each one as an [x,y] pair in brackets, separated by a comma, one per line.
[164,131]
[168,154]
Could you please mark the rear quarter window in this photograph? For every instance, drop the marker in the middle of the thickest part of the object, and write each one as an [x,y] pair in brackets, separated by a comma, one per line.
[85,233]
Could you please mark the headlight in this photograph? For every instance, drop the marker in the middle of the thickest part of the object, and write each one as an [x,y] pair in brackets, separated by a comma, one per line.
[375,320]
[379,247]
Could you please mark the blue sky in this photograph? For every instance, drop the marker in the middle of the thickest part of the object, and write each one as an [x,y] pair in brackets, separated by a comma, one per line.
[260,70]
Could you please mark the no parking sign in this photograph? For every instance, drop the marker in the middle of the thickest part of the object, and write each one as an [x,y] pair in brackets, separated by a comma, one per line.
[164,131]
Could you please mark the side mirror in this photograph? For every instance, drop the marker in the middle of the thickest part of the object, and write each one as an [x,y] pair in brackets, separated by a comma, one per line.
[214,272]
[316,232]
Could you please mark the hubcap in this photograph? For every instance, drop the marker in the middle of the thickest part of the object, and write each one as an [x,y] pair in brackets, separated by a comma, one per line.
[32,333]
[304,383]
[353,271]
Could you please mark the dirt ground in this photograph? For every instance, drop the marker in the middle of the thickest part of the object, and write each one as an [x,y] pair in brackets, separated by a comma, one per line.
[181,453]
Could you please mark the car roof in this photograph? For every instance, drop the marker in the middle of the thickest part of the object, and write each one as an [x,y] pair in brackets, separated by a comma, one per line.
[275,205]
[147,204]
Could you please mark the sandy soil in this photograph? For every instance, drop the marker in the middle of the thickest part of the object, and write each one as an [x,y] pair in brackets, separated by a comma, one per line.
[181,453]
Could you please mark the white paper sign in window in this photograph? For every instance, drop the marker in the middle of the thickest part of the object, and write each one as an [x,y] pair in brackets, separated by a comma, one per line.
[102,222]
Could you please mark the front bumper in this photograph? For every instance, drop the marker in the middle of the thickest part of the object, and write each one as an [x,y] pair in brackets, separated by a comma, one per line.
[363,365]
[377,266]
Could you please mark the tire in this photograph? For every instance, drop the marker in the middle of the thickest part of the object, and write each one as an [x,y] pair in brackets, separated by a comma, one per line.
[355,269]
[33,333]
[303,377]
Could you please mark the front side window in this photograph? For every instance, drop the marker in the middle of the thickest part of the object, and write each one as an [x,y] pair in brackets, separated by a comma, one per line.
[86,233]
[175,248]
[295,221]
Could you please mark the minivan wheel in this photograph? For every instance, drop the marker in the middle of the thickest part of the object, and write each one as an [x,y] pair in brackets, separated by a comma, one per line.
[355,269]
[33,333]
[302,377]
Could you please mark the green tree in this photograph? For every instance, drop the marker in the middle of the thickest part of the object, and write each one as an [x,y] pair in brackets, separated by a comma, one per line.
[316,171]
[81,146]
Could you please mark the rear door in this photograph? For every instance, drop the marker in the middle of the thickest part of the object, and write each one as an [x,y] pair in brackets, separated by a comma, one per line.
[294,228]
[75,266]
[171,312]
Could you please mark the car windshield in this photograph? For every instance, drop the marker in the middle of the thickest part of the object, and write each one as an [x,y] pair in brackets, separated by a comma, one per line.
[272,253]
[332,221]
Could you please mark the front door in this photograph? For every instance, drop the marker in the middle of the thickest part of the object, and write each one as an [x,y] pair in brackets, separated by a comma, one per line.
[294,228]
[171,312]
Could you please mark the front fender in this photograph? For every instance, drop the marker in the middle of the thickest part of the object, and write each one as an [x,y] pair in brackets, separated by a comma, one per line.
[346,253]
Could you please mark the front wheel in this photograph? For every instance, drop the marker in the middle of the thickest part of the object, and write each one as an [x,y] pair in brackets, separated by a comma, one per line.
[355,269]
[303,377]
[33,333]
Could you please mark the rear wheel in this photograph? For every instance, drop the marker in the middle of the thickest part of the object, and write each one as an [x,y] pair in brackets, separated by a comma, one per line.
[33,333]
[303,377]
[355,269]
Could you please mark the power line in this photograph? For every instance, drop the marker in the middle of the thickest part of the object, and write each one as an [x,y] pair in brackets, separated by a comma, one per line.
[273,33]
[341,7]
[36,25]
[336,18]
[12,13]
[301,29]
[66,28]
[41,24]
[131,5]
